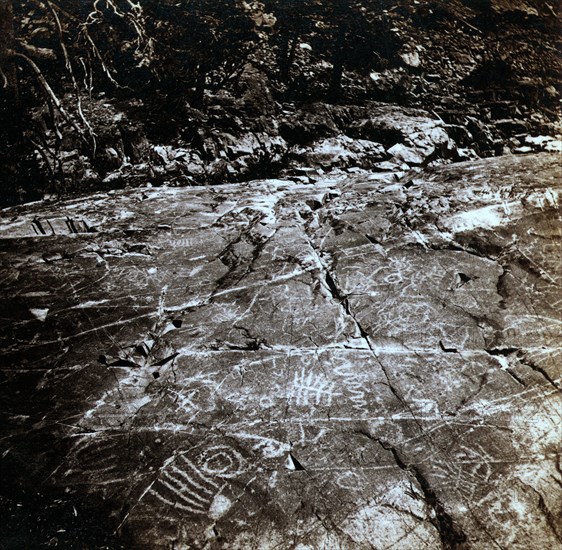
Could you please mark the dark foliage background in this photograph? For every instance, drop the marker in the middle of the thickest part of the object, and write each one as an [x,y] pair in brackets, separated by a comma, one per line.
[90,88]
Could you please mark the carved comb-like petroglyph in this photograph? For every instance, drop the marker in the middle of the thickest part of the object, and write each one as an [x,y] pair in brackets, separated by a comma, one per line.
[184,487]
[192,484]
[312,389]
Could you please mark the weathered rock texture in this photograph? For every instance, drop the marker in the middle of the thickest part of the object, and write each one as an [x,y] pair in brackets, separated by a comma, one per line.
[355,364]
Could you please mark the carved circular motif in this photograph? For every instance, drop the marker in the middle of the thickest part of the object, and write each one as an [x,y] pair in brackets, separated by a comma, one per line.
[222,461]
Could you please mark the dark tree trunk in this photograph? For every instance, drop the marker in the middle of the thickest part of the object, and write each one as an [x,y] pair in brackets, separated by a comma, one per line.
[283,56]
[338,53]
[292,52]
[8,79]
[334,91]
[287,55]
[200,83]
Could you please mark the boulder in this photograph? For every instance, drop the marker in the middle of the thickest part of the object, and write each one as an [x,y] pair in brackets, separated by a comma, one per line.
[246,144]
[554,146]
[390,165]
[410,155]
[523,150]
[433,142]
[544,143]
[411,58]
[307,124]
[340,152]
[464,154]
[424,135]
[538,141]
[255,94]
[511,127]
[461,136]
[483,137]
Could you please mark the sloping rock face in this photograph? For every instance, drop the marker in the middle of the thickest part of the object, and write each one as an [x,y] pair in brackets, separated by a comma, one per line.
[354,364]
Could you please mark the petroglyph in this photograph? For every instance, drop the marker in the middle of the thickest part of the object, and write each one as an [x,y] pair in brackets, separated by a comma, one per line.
[311,389]
[281,365]
[190,401]
[354,382]
[192,483]
[184,487]
[95,458]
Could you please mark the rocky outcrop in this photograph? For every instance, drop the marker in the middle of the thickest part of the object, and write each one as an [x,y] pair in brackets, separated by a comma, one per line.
[318,137]
[357,363]
[249,135]
[339,152]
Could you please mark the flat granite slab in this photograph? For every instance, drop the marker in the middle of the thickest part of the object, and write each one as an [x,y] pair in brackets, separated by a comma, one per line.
[354,364]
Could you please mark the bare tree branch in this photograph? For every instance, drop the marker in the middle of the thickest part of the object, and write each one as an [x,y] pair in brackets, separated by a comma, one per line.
[68,65]
[5,82]
[50,93]
[35,51]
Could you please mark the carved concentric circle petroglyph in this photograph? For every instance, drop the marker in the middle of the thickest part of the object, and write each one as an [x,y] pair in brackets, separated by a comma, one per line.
[222,461]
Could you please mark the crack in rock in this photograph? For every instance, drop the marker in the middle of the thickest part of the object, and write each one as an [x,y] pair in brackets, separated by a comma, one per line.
[450,533]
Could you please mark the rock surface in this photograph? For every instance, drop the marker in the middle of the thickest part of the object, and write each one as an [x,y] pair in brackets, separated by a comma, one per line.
[355,364]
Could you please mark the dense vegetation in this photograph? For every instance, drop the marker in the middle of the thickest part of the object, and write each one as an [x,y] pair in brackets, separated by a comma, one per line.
[75,73]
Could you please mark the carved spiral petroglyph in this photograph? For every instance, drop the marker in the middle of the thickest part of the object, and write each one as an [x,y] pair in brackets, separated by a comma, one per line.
[469,470]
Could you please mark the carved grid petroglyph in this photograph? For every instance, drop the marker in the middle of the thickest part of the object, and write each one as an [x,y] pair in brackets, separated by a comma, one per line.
[191,484]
